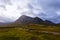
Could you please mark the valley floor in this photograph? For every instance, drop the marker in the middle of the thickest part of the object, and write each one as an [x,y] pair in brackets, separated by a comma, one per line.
[30,32]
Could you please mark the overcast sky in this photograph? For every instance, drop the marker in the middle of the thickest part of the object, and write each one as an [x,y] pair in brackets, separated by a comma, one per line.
[11,10]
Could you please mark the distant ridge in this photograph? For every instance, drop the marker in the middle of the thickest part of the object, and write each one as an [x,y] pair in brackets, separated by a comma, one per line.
[47,22]
[26,19]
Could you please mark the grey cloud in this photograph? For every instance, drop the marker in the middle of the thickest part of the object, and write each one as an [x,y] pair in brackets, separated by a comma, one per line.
[3,6]
[6,2]
[30,6]
[5,19]
[49,7]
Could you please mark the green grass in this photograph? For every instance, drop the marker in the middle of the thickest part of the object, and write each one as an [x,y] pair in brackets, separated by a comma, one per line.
[28,32]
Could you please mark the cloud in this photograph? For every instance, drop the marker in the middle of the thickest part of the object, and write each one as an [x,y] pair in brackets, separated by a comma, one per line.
[5,19]
[6,2]
[45,9]
[49,9]
[13,11]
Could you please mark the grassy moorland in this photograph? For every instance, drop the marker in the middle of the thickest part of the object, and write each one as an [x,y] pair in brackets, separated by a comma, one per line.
[30,32]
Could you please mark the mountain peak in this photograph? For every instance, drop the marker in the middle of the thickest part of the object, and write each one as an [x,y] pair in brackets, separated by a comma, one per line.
[26,19]
[37,18]
[24,16]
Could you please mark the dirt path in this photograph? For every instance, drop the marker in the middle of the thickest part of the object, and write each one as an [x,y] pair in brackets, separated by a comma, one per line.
[55,33]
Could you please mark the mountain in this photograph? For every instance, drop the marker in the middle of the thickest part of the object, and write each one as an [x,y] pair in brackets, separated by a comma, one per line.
[5,24]
[1,23]
[26,19]
[37,20]
[47,22]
